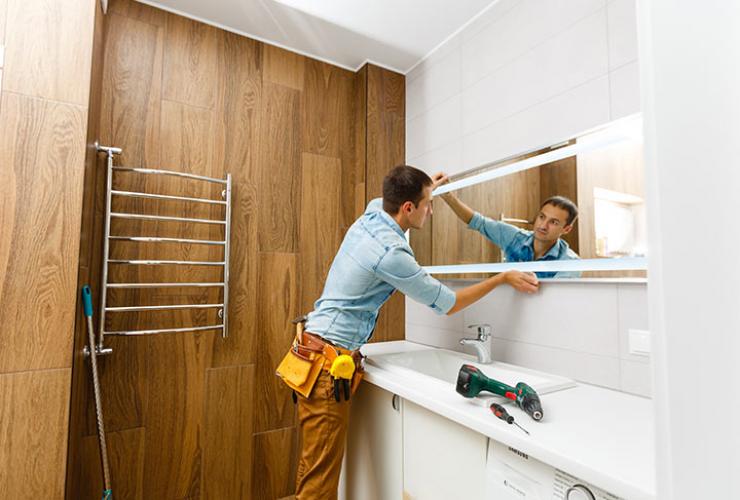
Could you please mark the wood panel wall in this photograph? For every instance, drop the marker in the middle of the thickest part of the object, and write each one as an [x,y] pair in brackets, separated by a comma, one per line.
[43,119]
[194,415]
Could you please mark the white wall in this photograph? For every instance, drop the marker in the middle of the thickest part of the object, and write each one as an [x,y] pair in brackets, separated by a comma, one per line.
[690,64]
[578,330]
[526,73]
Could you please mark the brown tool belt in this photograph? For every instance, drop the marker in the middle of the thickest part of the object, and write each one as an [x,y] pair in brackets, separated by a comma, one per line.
[313,343]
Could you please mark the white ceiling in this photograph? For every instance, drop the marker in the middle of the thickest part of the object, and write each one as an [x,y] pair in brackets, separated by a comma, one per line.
[395,34]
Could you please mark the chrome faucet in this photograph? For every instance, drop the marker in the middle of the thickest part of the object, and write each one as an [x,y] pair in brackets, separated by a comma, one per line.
[482,347]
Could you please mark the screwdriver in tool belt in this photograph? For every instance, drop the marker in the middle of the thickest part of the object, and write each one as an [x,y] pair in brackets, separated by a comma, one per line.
[501,413]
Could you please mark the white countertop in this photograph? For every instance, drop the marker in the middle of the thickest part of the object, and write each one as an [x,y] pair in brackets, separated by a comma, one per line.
[601,436]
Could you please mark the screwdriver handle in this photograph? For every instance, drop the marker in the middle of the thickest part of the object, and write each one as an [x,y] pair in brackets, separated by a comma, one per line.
[501,413]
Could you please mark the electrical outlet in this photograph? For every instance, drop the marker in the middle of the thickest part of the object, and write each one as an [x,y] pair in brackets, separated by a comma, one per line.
[639,342]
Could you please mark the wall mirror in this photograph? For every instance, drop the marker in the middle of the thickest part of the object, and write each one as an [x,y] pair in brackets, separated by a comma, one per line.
[601,171]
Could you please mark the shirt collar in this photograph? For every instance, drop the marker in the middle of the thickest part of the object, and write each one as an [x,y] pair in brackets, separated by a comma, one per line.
[558,249]
[391,222]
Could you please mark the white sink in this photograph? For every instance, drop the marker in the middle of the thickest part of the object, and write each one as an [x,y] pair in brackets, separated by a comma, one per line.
[443,366]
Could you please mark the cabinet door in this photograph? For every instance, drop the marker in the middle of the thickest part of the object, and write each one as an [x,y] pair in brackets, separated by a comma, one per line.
[373,461]
[441,459]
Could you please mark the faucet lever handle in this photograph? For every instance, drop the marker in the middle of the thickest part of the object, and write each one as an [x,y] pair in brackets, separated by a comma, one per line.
[483,329]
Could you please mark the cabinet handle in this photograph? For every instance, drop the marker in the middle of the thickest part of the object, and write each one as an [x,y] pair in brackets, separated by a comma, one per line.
[395,402]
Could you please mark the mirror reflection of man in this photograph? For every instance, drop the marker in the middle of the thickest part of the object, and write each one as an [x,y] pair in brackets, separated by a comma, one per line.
[555,219]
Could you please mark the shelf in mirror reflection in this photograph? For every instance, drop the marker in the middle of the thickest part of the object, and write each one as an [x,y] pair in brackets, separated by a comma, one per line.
[620,264]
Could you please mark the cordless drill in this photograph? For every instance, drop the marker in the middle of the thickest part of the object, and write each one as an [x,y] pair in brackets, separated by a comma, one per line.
[471,381]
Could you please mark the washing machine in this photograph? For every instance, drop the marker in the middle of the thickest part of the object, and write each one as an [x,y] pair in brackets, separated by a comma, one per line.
[513,475]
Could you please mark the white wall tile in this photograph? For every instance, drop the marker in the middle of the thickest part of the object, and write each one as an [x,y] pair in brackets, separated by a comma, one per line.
[633,314]
[521,28]
[433,58]
[447,159]
[625,90]
[548,318]
[636,378]
[439,83]
[438,337]
[552,121]
[422,315]
[433,129]
[494,13]
[577,55]
[598,370]
[622,32]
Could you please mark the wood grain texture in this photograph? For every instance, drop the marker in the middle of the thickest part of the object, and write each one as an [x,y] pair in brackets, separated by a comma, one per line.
[130,111]
[3,17]
[280,159]
[34,408]
[175,417]
[238,124]
[276,473]
[190,62]
[359,121]
[48,46]
[42,148]
[283,67]
[138,11]
[227,442]
[278,285]
[385,148]
[126,463]
[321,201]
[386,132]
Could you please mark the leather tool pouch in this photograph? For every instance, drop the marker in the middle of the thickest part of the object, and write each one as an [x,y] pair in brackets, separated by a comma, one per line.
[300,370]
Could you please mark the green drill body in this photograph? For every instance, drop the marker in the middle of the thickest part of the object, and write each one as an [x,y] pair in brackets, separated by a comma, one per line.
[471,381]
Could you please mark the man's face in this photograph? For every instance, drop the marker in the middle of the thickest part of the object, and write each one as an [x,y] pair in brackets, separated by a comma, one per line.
[418,215]
[550,223]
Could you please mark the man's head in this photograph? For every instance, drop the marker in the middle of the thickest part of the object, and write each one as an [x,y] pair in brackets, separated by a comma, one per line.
[407,196]
[555,219]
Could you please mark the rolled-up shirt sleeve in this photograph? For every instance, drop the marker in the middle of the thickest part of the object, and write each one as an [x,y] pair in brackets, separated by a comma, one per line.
[399,269]
[499,233]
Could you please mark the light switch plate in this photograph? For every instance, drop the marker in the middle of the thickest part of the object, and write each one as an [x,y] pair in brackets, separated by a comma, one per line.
[639,342]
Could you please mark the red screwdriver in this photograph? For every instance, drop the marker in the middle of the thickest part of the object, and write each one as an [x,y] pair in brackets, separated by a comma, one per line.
[501,413]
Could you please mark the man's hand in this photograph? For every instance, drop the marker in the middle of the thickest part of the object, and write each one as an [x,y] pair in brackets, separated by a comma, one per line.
[522,282]
[438,179]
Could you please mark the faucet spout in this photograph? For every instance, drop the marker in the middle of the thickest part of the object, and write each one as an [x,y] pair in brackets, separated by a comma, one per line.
[482,348]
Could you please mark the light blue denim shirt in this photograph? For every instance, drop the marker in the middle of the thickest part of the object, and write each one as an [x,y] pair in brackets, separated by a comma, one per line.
[518,244]
[373,261]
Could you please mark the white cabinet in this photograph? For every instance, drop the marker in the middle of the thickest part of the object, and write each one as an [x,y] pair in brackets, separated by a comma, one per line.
[397,450]
[441,459]
[373,463]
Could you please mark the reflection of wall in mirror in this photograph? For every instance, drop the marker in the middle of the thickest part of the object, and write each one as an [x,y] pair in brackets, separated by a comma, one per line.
[611,203]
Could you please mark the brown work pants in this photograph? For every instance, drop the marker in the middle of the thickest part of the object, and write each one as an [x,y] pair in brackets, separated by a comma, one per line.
[322,423]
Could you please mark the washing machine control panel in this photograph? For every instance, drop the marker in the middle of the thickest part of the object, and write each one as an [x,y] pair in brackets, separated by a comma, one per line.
[513,475]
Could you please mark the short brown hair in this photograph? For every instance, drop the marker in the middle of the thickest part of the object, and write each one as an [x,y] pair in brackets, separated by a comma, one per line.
[403,183]
[565,204]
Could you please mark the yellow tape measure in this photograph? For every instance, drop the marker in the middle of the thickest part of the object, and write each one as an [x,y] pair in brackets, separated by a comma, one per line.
[342,367]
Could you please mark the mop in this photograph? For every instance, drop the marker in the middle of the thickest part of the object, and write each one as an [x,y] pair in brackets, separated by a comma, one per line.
[87,305]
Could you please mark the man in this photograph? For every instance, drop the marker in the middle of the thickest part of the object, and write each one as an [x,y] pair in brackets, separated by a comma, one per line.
[373,261]
[555,219]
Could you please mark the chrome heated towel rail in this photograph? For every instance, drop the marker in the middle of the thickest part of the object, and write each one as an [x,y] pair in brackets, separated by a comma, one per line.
[222,306]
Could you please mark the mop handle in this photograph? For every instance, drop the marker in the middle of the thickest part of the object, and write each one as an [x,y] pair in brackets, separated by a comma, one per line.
[87,308]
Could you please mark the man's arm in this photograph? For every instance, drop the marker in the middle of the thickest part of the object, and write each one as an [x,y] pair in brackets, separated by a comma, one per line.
[399,269]
[522,282]
[463,212]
